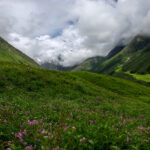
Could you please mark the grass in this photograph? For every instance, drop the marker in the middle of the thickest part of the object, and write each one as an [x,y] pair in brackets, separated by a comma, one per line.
[41,109]
[144,77]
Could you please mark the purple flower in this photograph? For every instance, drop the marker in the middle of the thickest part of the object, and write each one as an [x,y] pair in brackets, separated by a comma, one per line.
[8,148]
[82,139]
[127,139]
[44,132]
[140,127]
[124,122]
[25,132]
[9,142]
[148,128]
[5,121]
[29,147]
[25,143]
[91,122]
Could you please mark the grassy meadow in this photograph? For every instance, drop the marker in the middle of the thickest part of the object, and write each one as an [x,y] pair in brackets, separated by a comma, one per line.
[51,110]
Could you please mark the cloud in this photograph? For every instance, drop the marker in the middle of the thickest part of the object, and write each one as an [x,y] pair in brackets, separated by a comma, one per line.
[70,31]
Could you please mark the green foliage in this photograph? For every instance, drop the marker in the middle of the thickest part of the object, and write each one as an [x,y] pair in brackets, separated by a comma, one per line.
[71,110]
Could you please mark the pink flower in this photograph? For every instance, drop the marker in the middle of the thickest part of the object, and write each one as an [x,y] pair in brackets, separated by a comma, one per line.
[71,114]
[121,117]
[148,128]
[41,120]
[44,132]
[25,132]
[141,128]
[127,139]
[91,122]
[39,140]
[82,139]
[25,143]
[29,147]
[8,148]
[19,135]
[74,127]
[5,121]
[124,122]
[9,142]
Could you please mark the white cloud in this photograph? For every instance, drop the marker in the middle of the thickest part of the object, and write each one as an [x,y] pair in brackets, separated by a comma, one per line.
[70,31]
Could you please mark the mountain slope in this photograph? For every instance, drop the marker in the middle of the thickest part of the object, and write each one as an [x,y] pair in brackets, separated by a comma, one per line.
[10,54]
[93,64]
[90,64]
[135,54]
[45,109]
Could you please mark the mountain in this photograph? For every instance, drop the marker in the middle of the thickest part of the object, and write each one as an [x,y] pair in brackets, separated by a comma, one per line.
[90,64]
[130,62]
[133,58]
[93,64]
[114,51]
[10,54]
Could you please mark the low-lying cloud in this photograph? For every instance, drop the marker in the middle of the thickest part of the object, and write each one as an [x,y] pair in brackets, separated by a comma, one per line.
[70,31]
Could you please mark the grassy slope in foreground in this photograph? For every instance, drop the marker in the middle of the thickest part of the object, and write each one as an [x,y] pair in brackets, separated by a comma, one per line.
[71,110]
[10,54]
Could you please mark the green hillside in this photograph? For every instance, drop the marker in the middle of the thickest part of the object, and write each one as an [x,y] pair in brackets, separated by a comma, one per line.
[41,109]
[90,64]
[134,57]
[10,54]
[131,62]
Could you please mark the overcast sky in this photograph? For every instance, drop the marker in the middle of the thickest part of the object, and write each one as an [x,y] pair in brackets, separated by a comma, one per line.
[70,31]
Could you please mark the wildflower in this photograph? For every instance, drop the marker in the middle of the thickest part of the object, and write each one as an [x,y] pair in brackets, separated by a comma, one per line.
[148,128]
[41,121]
[29,123]
[44,132]
[82,139]
[25,132]
[5,121]
[8,148]
[9,142]
[39,140]
[121,117]
[19,135]
[74,127]
[29,147]
[141,128]
[124,122]
[71,114]
[90,141]
[127,139]
[91,122]
[25,143]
